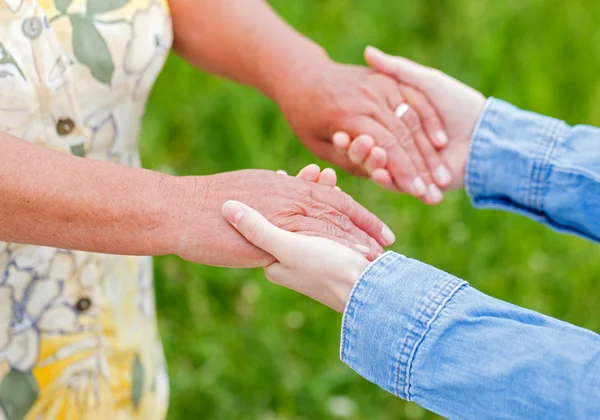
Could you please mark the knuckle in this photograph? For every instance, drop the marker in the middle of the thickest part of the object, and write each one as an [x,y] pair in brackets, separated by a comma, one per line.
[252,233]
[412,121]
[387,142]
[406,140]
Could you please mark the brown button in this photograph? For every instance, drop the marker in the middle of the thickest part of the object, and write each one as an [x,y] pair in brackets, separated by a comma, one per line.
[65,126]
[83,304]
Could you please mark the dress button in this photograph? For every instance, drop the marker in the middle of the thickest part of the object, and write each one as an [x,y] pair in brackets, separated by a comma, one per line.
[32,27]
[83,304]
[65,126]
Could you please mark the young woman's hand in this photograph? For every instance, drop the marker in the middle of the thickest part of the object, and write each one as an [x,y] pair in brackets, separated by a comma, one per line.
[458,105]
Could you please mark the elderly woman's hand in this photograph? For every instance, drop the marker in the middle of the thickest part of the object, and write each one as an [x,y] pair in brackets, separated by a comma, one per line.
[316,267]
[292,204]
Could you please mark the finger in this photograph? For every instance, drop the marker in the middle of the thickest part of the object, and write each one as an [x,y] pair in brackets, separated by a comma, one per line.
[254,227]
[360,148]
[309,173]
[404,126]
[282,172]
[402,69]
[341,142]
[400,166]
[383,178]
[365,250]
[430,120]
[377,159]
[441,173]
[340,225]
[330,155]
[362,219]
[326,224]
[328,178]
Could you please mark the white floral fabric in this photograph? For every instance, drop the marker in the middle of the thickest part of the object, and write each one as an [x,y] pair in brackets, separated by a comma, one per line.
[78,334]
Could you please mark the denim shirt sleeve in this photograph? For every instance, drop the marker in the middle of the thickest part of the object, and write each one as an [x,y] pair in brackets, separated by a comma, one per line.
[536,166]
[429,337]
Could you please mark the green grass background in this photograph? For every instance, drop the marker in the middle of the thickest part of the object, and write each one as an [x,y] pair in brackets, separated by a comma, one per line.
[241,348]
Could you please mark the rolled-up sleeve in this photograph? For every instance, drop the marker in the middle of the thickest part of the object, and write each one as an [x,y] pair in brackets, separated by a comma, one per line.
[536,166]
[429,337]
[388,316]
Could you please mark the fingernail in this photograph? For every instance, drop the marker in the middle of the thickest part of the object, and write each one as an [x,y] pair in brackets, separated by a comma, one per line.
[374,50]
[442,137]
[233,212]
[434,194]
[387,235]
[363,249]
[282,172]
[337,188]
[442,175]
[419,187]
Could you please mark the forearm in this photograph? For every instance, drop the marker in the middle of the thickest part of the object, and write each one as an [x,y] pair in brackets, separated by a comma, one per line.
[243,40]
[427,336]
[56,199]
[537,166]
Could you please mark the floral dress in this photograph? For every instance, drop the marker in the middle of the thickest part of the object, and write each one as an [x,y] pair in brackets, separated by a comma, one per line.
[78,333]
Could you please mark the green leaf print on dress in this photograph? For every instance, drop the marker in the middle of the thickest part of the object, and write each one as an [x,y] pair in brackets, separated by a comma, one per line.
[90,48]
[62,5]
[137,382]
[101,6]
[18,392]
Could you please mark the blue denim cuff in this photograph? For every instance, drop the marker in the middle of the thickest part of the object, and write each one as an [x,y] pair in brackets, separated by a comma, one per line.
[509,159]
[388,315]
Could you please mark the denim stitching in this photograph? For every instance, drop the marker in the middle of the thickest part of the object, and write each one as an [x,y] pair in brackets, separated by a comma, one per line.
[451,289]
[546,163]
[417,330]
[472,177]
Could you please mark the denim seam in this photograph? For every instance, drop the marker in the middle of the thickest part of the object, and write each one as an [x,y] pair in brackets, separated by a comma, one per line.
[436,299]
[547,163]
[354,304]
[543,148]
[472,177]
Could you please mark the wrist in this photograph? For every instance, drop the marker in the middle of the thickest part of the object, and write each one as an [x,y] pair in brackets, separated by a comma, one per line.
[346,281]
[292,69]
[182,198]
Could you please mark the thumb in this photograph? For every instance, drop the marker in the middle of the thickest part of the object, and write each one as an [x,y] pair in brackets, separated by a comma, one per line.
[402,69]
[254,227]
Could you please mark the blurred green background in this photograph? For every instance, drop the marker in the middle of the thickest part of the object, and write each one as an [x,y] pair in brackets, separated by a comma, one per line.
[241,348]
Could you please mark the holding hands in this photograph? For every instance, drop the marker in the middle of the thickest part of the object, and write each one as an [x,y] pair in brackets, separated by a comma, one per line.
[326,270]
[457,105]
[404,125]
[336,103]
[319,268]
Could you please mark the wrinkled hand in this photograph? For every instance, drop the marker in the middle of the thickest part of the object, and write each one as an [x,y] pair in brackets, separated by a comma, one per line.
[316,267]
[292,204]
[335,98]
[458,105]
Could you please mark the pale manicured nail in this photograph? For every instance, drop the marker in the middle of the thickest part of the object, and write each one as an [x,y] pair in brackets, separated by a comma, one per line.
[388,235]
[419,187]
[233,212]
[282,172]
[442,175]
[442,137]
[434,193]
[337,188]
[363,249]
